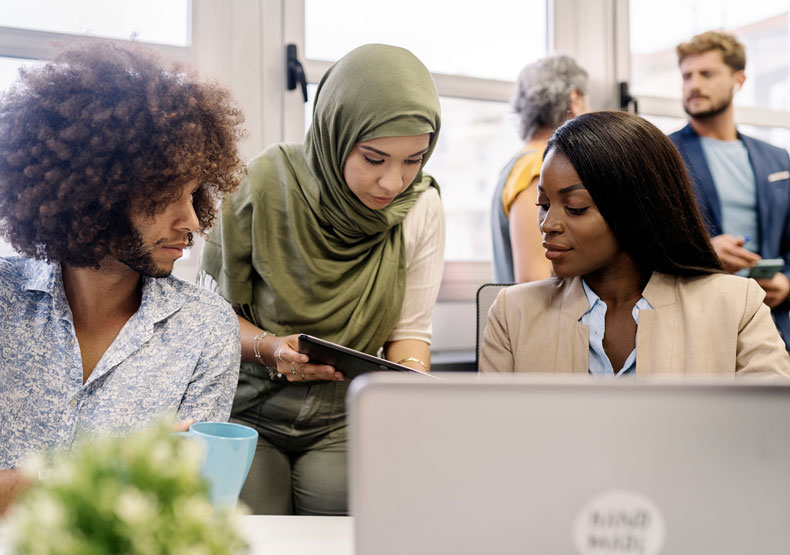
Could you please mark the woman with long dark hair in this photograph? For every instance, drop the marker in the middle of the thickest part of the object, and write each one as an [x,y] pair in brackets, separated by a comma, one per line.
[638,286]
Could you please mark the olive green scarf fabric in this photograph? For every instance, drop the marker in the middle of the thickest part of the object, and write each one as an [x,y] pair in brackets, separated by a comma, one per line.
[294,245]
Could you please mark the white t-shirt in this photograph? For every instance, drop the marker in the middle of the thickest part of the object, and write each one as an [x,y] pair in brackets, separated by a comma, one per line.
[424,234]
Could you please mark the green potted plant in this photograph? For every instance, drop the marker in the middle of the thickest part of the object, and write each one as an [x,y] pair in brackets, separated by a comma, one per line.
[142,494]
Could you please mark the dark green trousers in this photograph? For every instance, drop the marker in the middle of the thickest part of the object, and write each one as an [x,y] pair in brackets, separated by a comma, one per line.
[300,464]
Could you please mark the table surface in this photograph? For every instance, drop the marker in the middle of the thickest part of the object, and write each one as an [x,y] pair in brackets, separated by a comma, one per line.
[299,535]
[294,535]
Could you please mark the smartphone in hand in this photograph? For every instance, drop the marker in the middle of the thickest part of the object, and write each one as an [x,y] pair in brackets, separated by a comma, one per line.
[766,268]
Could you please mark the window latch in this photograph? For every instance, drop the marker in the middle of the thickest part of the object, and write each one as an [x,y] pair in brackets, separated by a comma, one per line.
[294,71]
[626,100]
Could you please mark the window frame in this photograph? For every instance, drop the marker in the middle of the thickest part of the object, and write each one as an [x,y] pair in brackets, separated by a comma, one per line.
[242,44]
[31,44]
[564,21]
[672,106]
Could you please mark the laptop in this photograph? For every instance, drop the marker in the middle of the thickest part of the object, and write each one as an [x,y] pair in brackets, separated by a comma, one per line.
[562,465]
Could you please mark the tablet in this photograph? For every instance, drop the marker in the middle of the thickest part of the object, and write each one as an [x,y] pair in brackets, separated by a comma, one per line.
[348,361]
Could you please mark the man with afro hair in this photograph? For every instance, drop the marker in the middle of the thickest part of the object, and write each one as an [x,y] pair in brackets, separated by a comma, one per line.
[110,160]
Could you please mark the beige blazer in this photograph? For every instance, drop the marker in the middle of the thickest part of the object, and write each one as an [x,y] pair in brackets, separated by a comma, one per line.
[715,324]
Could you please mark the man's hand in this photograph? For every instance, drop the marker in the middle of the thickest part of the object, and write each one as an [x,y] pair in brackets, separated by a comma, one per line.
[776,289]
[184,425]
[12,483]
[733,256]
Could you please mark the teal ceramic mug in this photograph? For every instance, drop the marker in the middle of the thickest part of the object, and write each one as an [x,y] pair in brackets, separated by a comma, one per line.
[228,452]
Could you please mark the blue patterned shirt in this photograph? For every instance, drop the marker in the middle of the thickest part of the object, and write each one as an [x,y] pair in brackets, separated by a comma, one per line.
[178,354]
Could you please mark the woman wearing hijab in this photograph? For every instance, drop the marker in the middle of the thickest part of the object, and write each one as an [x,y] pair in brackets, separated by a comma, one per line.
[341,238]
[638,287]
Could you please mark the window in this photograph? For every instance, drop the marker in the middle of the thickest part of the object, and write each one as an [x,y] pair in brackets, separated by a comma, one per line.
[474,52]
[446,37]
[764,29]
[478,138]
[9,69]
[28,28]
[150,21]
[474,56]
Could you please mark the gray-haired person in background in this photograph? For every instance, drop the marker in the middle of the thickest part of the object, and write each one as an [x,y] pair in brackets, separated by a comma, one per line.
[548,92]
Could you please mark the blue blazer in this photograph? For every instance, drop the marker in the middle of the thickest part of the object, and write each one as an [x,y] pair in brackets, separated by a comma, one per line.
[771,166]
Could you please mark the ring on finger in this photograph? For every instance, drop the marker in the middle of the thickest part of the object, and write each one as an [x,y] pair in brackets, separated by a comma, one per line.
[293,368]
[303,375]
[279,355]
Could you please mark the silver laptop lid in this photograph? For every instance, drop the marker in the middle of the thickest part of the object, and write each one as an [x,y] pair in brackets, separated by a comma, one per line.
[541,465]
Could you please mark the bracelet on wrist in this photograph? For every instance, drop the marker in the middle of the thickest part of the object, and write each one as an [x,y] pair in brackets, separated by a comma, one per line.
[414,359]
[273,373]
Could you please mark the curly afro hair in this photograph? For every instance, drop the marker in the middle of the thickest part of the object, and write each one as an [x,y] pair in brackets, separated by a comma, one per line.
[99,128]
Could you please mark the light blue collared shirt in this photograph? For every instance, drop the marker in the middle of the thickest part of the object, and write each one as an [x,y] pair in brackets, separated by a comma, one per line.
[595,318]
[178,354]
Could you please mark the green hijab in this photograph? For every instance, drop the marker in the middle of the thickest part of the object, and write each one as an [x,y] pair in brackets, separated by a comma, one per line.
[294,246]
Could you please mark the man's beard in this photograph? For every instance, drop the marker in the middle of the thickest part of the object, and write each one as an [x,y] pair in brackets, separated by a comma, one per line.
[711,113]
[140,259]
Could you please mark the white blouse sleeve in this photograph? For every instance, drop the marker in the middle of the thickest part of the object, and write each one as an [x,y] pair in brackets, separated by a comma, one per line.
[424,231]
